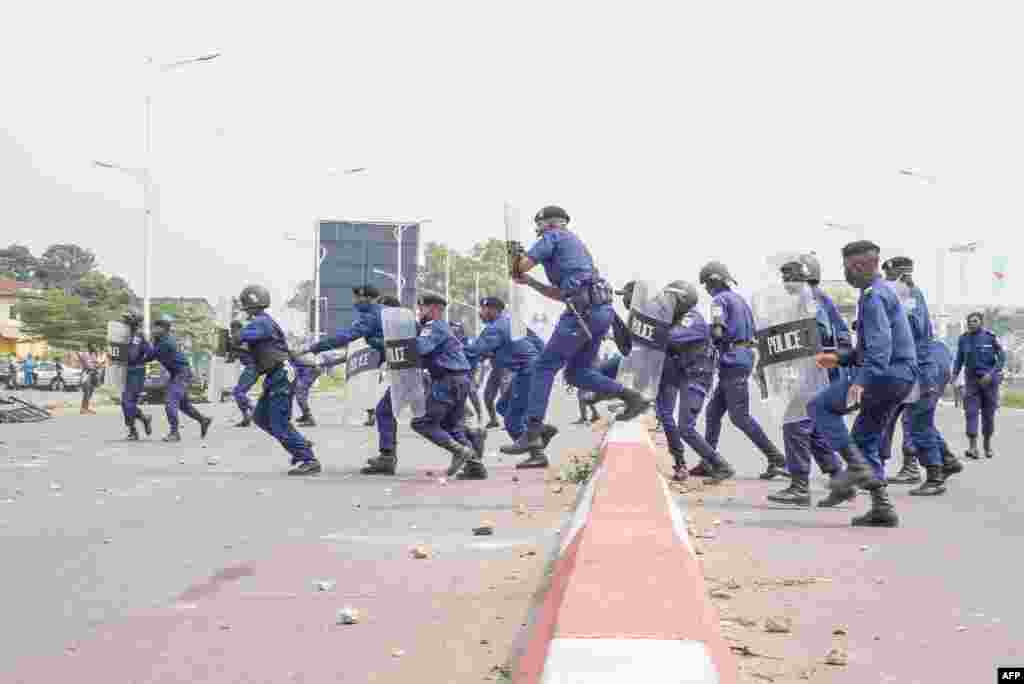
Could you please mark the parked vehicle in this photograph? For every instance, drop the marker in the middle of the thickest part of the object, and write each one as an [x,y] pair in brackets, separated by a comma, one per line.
[48,377]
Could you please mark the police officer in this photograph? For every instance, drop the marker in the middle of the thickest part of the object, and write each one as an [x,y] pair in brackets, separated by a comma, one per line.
[263,338]
[492,387]
[802,438]
[733,333]
[576,339]
[138,351]
[517,359]
[885,362]
[459,330]
[982,357]
[246,379]
[368,326]
[687,376]
[305,376]
[609,368]
[165,350]
[443,358]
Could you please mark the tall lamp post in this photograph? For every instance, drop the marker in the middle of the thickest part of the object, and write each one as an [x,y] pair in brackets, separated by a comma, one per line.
[145,176]
[940,254]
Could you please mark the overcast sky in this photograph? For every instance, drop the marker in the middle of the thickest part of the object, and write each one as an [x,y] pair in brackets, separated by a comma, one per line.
[673,133]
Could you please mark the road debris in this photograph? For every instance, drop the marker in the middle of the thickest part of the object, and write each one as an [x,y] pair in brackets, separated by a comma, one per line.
[15,410]
[397,653]
[836,656]
[55,487]
[557,489]
[420,552]
[721,595]
[325,585]
[486,528]
[778,625]
[746,651]
[213,460]
[348,616]
[961,628]
[839,631]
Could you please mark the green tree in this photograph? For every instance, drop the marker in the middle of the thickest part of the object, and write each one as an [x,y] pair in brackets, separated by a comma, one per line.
[17,260]
[488,259]
[63,320]
[64,265]
[193,326]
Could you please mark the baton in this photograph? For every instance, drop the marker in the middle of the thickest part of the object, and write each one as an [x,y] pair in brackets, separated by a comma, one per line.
[579,319]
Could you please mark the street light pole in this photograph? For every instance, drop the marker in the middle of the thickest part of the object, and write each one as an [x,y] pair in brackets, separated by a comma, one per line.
[940,257]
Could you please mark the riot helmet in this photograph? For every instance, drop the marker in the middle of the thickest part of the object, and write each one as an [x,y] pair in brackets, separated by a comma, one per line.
[550,217]
[715,276]
[254,299]
[682,295]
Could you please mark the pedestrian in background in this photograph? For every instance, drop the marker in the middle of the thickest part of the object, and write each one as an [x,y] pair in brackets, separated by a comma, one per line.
[89,360]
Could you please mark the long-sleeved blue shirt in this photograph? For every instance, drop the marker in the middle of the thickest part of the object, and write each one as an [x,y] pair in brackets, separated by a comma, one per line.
[980,353]
[737,320]
[885,343]
[264,330]
[834,331]
[496,339]
[439,350]
[165,350]
[367,326]
[566,260]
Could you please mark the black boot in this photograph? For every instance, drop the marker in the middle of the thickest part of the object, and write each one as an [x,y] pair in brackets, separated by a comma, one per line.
[133,434]
[527,442]
[700,470]
[204,426]
[988,447]
[460,454]
[858,472]
[972,450]
[910,473]
[371,418]
[384,464]
[797,494]
[547,433]
[835,498]
[147,423]
[310,467]
[172,436]
[881,513]
[594,415]
[635,404]
[951,465]
[306,420]
[474,470]
[536,459]
[933,485]
[776,467]
[246,420]
[478,438]
[720,472]
[493,422]
[679,472]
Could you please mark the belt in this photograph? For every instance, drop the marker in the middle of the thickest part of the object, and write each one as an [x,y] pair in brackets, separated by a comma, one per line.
[747,345]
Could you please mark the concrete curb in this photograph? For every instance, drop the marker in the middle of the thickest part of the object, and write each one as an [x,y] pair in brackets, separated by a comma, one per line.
[625,595]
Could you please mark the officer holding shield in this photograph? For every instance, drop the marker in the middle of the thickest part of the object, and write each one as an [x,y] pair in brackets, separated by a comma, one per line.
[165,350]
[576,339]
[733,333]
[885,363]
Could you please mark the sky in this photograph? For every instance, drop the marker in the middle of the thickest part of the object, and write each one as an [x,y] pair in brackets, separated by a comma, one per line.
[673,133]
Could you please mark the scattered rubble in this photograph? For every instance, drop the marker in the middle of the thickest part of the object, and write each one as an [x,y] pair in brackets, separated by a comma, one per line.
[836,656]
[778,625]
[718,594]
[486,528]
[348,616]
[325,585]
[420,552]
[397,653]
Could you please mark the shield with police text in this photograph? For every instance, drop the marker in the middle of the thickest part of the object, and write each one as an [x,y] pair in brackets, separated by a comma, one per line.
[517,294]
[787,340]
[118,338]
[906,298]
[362,382]
[650,317]
[402,357]
[222,376]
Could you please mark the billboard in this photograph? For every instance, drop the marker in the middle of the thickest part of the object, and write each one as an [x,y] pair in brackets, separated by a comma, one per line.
[363,253]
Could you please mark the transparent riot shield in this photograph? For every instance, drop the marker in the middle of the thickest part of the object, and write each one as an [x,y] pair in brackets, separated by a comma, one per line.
[517,294]
[906,298]
[362,380]
[404,371]
[787,339]
[650,317]
[118,338]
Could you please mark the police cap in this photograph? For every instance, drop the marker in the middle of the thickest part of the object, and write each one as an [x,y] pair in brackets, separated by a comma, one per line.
[428,299]
[494,302]
[860,247]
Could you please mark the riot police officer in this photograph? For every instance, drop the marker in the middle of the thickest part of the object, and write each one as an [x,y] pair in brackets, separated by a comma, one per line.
[165,350]
[619,333]
[982,358]
[246,380]
[138,351]
[885,364]
[733,333]
[264,339]
[576,339]
[687,376]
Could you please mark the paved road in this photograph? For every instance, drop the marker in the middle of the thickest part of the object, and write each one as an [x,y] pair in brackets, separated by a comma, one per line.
[141,562]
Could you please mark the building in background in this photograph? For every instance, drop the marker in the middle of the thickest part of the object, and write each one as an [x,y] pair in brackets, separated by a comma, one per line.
[11,339]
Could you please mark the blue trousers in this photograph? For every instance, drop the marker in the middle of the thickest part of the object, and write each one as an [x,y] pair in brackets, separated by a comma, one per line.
[690,405]
[304,380]
[983,401]
[387,426]
[569,347]
[513,402]
[926,437]
[177,398]
[803,441]
[492,387]
[732,396]
[134,383]
[273,415]
[878,401]
[445,417]
[246,380]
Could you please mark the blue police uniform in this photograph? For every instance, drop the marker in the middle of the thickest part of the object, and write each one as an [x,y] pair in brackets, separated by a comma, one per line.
[269,347]
[687,375]
[165,350]
[735,364]
[569,267]
[979,354]
[246,379]
[802,439]
[139,349]
[442,356]
[516,357]
[305,376]
[492,387]
[886,367]
[523,396]
[368,326]
[474,388]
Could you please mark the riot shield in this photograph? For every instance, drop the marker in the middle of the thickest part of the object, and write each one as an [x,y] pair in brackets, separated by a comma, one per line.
[517,302]
[403,359]
[118,337]
[902,291]
[220,374]
[650,317]
[362,380]
[787,339]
